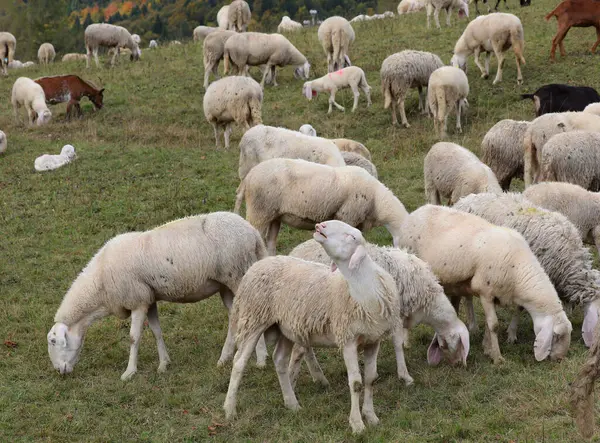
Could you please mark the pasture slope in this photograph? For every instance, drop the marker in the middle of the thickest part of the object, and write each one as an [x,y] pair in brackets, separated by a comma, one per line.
[148,157]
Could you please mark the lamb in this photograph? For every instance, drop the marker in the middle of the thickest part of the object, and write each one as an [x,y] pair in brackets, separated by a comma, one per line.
[495,32]
[300,193]
[435,6]
[336,35]
[27,93]
[593,108]
[213,50]
[71,57]
[353,159]
[46,53]
[502,150]
[543,128]
[272,50]
[422,299]
[448,86]
[409,6]
[562,98]
[110,36]
[469,254]
[308,130]
[261,143]
[3,142]
[186,260]
[405,70]
[233,99]
[352,77]
[346,145]
[201,32]
[305,303]
[238,16]
[288,25]
[8,46]
[451,172]
[153,44]
[556,244]
[48,162]
[222,18]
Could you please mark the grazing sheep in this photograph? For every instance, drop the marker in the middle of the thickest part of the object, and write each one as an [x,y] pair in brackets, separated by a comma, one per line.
[222,18]
[496,33]
[448,88]
[46,53]
[593,108]
[562,98]
[272,50]
[288,25]
[502,150]
[405,70]
[110,36]
[8,46]
[451,172]
[409,6]
[27,93]
[49,162]
[556,244]
[469,254]
[336,35]
[213,51]
[262,143]
[435,6]
[353,159]
[184,261]
[136,38]
[308,130]
[238,16]
[71,57]
[305,303]
[233,99]
[346,145]
[153,44]
[352,77]
[300,193]
[3,142]
[201,32]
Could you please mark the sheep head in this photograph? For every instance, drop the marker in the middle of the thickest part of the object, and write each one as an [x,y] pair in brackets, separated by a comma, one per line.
[552,337]
[452,344]
[44,117]
[302,71]
[64,348]
[342,242]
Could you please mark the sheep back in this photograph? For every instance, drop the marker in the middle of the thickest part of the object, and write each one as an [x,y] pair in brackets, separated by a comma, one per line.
[234,98]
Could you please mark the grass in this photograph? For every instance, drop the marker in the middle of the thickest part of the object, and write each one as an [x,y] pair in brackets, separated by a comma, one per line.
[148,157]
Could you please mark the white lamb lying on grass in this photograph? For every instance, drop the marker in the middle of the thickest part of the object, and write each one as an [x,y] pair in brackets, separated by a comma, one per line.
[302,302]
[49,162]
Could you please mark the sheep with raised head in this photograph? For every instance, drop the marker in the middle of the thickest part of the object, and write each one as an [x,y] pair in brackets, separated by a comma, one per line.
[307,129]
[153,44]
[46,53]
[27,93]
[3,142]
[50,162]
[71,57]
[352,77]
[223,18]
[354,159]
[109,36]
[183,261]
[213,51]
[238,16]
[136,38]
[336,35]
[435,6]
[201,32]
[347,145]
[447,90]
[288,25]
[8,46]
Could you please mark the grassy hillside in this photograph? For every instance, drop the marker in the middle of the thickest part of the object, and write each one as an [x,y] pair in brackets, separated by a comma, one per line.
[148,157]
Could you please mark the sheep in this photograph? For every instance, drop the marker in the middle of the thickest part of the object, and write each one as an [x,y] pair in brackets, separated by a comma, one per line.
[353,159]
[233,99]
[448,86]
[28,64]
[557,245]
[272,50]
[435,6]
[305,23]
[502,150]
[469,254]
[542,129]
[16,64]
[71,57]
[213,50]
[46,53]
[222,18]
[288,25]
[409,6]
[27,93]
[8,46]
[183,261]
[346,145]
[562,98]
[153,44]
[336,35]
[299,193]
[422,299]
[352,77]
[174,43]
[305,303]
[451,171]
[136,38]
[495,32]
[402,71]
[48,162]
[261,143]
[201,32]
[307,130]
[238,16]
[359,18]
[3,142]
[593,108]
[110,36]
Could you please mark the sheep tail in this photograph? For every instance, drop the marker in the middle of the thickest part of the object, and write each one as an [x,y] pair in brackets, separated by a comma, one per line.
[226,62]
[10,50]
[363,82]
[518,43]
[440,96]
[336,42]
[386,89]
[254,108]
[240,193]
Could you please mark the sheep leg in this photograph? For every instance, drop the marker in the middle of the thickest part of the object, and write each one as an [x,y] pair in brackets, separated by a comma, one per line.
[314,368]
[274,75]
[500,57]
[423,101]
[370,356]
[281,359]
[115,57]
[356,96]
[484,72]
[163,355]
[135,334]
[488,56]
[472,321]
[298,353]
[492,349]
[30,113]
[398,339]
[355,384]
[96,58]
[458,112]
[513,327]
[16,112]
[429,12]
[403,115]
[596,235]
[267,69]
[448,13]
[519,73]
[436,16]
[229,346]
[206,77]
[216,129]
[333,102]
[367,92]
[272,234]
[227,134]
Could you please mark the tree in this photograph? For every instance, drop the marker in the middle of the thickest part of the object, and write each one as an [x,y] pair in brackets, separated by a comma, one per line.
[157,26]
[88,20]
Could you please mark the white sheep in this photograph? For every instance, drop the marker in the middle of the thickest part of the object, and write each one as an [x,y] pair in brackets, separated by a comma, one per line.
[27,93]
[435,6]
[16,64]
[402,71]
[305,303]
[238,16]
[288,25]
[354,159]
[451,171]
[469,254]
[46,53]
[495,33]
[109,36]
[3,142]
[28,64]
[8,46]
[308,130]
[153,44]
[410,6]
[71,57]
[174,43]
[593,108]
[502,150]
[448,87]
[233,99]
[352,77]
[262,142]
[49,162]
[186,260]
[359,18]
[201,32]
[222,18]
[272,50]
[300,193]
[336,35]
[213,51]
[422,299]
[557,245]
[346,145]
[136,38]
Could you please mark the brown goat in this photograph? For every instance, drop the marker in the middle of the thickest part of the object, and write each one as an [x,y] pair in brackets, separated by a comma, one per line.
[577,13]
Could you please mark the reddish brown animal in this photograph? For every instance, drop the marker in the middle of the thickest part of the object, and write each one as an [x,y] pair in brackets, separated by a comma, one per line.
[70,89]
[574,13]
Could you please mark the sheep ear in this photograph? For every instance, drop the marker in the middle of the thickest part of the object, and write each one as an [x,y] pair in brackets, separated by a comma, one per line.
[347,59]
[543,341]
[333,267]
[357,258]
[590,320]
[434,352]
[308,91]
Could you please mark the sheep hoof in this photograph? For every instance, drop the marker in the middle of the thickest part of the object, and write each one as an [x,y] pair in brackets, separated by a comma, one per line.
[496,82]
[511,339]
[485,76]
[162,367]
[371,418]
[357,426]
[498,360]
[520,81]
[261,364]
[127,375]
[408,380]
[293,406]
[230,412]
[406,125]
